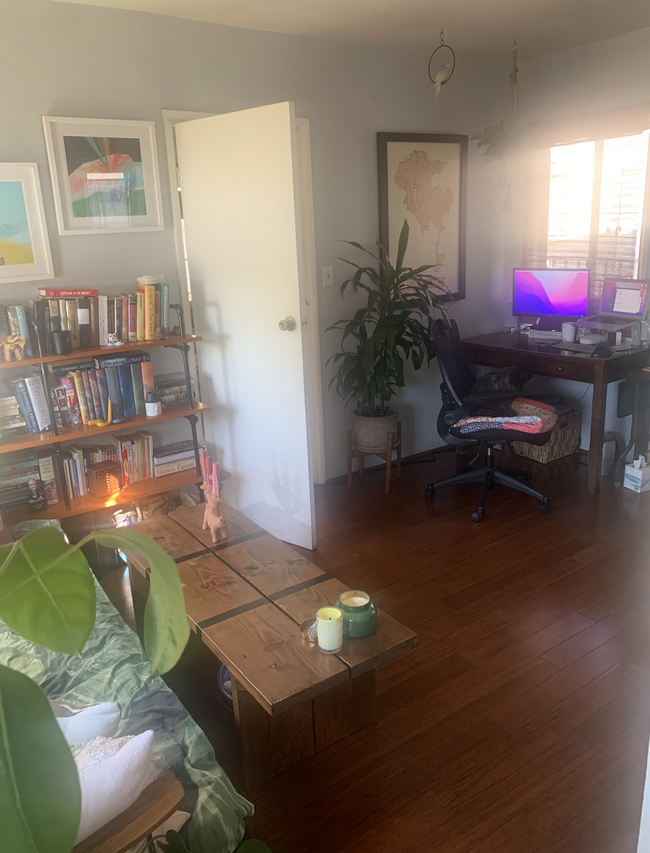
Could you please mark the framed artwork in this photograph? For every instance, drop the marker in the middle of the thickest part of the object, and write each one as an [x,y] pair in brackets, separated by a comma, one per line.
[423,179]
[24,244]
[104,175]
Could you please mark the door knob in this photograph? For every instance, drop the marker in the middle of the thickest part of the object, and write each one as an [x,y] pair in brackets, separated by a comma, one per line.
[287,325]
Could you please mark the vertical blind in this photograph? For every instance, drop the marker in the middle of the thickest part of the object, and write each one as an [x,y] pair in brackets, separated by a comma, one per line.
[585,207]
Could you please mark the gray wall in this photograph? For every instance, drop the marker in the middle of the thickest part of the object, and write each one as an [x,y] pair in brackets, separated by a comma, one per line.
[68,60]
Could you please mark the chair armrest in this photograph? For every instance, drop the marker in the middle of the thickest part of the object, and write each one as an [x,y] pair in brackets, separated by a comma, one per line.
[155,804]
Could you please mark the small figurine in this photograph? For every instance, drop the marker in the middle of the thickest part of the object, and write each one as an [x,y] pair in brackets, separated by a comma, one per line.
[160,333]
[13,347]
[114,341]
[36,499]
[212,519]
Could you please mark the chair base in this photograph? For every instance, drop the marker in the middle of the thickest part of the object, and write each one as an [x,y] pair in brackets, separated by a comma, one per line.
[489,474]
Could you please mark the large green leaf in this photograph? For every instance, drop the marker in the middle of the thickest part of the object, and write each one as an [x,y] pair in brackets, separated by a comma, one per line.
[47,592]
[40,798]
[166,629]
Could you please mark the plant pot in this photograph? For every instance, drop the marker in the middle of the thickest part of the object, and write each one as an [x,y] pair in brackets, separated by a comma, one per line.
[371,434]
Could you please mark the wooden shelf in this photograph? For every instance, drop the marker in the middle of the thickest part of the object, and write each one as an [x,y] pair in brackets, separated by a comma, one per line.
[44,439]
[90,503]
[92,351]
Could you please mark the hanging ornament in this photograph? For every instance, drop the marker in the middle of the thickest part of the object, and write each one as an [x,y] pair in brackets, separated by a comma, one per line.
[443,67]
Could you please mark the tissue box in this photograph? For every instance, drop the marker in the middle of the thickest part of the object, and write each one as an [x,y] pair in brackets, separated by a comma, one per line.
[637,479]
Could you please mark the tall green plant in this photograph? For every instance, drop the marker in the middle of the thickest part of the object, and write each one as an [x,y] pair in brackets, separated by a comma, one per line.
[390,329]
[47,596]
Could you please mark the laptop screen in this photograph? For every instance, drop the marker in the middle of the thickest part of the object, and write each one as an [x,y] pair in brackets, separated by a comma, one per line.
[624,297]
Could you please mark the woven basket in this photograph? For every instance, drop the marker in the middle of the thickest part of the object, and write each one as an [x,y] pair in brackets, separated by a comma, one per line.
[564,440]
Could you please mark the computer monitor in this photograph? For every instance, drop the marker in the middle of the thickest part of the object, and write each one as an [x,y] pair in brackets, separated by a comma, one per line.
[550,293]
[624,298]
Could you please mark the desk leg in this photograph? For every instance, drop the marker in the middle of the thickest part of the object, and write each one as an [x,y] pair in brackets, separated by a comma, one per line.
[598,406]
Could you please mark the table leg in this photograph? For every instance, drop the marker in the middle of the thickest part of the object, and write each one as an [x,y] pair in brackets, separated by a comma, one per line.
[641,432]
[399,450]
[271,744]
[349,458]
[598,406]
[344,709]
[389,460]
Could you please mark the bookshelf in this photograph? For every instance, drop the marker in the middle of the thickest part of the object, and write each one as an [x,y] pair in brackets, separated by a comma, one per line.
[71,506]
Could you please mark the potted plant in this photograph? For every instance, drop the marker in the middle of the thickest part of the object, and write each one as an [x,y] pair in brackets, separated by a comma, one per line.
[390,329]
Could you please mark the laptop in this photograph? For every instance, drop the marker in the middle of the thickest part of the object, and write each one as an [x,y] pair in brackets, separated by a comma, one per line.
[624,301]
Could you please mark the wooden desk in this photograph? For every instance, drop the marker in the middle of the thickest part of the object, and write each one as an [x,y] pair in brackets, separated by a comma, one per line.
[503,349]
[245,598]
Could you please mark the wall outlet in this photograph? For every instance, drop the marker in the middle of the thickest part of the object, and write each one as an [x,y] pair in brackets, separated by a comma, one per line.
[328,276]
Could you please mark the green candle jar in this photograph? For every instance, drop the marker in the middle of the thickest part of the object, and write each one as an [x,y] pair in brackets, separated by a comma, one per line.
[359,614]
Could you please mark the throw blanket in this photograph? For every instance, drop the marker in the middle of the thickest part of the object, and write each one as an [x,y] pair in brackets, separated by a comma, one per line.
[530,416]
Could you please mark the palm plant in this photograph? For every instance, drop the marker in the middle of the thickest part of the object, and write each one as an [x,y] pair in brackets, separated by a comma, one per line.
[390,329]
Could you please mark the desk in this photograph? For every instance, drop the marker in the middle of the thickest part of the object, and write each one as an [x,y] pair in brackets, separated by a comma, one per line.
[503,349]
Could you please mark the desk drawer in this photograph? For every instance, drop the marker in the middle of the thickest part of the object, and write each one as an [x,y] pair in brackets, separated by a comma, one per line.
[565,367]
[570,370]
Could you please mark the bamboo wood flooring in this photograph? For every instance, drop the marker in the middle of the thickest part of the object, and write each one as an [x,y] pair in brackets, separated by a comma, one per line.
[520,722]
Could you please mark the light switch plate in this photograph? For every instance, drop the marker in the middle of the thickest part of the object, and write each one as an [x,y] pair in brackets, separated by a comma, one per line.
[328,276]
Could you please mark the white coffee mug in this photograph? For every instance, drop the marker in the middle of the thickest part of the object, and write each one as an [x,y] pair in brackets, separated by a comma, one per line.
[568,332]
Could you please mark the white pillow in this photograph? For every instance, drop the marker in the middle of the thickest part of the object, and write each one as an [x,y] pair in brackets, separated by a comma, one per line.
[80,723]
[113,772]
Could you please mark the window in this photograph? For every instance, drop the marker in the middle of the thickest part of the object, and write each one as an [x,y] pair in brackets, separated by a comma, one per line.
[595,195]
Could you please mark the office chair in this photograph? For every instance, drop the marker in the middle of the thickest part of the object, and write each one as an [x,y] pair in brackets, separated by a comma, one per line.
[459,402]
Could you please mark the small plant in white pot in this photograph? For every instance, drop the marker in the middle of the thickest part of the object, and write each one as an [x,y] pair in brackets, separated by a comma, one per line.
[390,329]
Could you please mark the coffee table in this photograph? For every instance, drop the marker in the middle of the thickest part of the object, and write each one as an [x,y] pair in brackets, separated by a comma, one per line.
[245,598]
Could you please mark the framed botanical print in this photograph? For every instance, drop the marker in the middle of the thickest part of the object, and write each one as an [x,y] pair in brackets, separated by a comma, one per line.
[24,244]
[104,175]
[423,180]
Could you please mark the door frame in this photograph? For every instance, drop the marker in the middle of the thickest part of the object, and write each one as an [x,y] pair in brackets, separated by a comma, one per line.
[308,273]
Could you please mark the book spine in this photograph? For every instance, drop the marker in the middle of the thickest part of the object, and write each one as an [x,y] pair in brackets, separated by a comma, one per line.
[85,378]
[41,343]
[149,311]
[81,394]
[58,420]
[71,399]
[62,401]
[25,405]
[62,292]
[125,318]
[55,315]
[140,314]
[102,313]
[23,329]
[126,390]
[63,315]
[46,468]
[4,321]
[113,382]
[165,317]
[138,388]
[174,467]
[133,317]
[110,303]
[38,400]
[124,459]
[147,378]
[117,315]
[102,387]
[83,322]
[134,358]
[12,317]
[94,321]
[94,390]
[73,322]
[157,305]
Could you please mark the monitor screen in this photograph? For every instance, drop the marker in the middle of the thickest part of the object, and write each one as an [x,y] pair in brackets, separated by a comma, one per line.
[554,293]
[624,297]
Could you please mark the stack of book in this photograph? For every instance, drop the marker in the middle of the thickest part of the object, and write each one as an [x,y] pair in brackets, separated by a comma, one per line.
[88,315]
[32,403]
[172,458]
[12,421]
[171,387]
[24,478]
[135,452]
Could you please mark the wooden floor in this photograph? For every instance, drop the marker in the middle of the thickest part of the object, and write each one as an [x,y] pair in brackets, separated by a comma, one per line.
[520,723]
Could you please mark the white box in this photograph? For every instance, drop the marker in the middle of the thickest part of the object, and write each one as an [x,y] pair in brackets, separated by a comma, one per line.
[637,479]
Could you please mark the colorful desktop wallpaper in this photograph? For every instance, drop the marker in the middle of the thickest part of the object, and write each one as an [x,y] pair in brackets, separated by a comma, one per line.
[563,293]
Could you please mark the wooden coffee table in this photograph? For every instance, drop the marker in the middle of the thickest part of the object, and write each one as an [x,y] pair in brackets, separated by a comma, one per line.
[246,598]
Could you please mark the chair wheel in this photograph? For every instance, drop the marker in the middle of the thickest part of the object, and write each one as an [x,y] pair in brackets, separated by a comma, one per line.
[429,493]
[478,514]
[544,505]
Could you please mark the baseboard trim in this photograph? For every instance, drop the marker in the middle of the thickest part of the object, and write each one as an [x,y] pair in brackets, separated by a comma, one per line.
[406,460]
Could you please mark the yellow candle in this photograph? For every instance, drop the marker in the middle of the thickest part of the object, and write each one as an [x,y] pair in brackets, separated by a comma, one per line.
[330,630]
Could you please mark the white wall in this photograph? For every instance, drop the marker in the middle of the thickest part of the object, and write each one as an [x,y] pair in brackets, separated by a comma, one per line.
[593,78]
[80,61]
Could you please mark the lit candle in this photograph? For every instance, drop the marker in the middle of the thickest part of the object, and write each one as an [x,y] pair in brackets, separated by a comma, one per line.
[330,630]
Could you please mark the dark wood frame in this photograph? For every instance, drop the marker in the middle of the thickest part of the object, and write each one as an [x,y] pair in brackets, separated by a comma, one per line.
[382,172]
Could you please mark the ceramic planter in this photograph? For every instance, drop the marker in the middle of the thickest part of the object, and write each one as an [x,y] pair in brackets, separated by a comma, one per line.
[372,433]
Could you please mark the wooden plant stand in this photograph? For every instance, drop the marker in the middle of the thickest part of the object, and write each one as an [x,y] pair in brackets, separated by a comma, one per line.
[355,452]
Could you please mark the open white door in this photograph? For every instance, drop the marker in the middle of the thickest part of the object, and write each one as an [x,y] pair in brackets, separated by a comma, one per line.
[239,196]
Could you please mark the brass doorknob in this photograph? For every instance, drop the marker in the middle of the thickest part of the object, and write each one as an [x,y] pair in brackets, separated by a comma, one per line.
[287,325]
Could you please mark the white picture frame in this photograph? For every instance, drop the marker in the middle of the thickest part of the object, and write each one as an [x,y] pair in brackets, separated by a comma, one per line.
[104,174]
[24,243]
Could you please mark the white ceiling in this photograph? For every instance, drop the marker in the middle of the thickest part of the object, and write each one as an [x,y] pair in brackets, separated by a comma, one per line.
[485,26]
